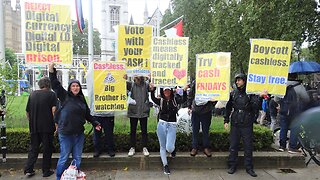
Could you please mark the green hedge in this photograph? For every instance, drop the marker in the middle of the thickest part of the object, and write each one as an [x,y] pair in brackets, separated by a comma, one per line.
[18,141]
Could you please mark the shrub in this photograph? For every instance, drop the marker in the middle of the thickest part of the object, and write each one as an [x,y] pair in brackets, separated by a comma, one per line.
[18,140]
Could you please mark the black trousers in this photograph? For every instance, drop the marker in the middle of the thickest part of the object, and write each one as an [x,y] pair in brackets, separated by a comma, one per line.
[133,131]
[236,133]
[46,139]
[107,124]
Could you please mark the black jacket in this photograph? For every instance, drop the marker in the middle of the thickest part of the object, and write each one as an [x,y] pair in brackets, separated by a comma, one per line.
[74,110]
[169,108]
[244,108]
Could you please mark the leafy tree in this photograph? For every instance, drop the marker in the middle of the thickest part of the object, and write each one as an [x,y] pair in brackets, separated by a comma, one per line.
[9,75]
[80,41]
[228,25]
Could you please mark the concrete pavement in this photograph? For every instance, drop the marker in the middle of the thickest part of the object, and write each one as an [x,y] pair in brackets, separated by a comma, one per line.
[312,172]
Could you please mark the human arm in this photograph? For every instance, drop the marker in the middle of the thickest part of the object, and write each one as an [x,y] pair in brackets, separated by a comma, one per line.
[89,118]
[153,97]
[55,84]
[228,110]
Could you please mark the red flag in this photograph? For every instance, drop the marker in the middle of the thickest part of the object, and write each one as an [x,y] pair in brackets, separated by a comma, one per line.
[175,31]
[179,28]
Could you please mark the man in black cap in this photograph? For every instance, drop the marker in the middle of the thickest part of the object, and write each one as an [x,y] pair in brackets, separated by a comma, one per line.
[244,108]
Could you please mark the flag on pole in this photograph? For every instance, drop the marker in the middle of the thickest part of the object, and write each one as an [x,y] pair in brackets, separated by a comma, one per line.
[175,31]
[80,19]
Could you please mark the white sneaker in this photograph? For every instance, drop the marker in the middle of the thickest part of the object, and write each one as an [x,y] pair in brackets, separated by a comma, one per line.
[131,152]
[145,151]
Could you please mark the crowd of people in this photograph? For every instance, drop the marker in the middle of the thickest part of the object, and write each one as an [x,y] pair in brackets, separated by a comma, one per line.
[66,120]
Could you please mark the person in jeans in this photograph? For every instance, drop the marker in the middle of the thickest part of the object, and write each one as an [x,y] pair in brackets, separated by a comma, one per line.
[138,111]
[107,123]
[293,103]
[70,120]
[201,113]
[40,108]
[167,124]
[274,108]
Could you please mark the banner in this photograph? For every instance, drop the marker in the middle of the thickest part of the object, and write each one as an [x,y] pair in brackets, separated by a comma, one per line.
[109,88]
[134,48]
[169,64]
[268,66]
[48,33]
[213,77]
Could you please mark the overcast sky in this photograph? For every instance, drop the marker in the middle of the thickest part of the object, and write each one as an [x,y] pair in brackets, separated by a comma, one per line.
[135,8]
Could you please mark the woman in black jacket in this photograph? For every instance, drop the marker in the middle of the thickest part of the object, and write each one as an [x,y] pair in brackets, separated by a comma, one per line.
[70,120]
[167,124]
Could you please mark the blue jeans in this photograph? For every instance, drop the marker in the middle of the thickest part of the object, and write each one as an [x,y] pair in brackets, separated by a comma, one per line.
[285,122]
[167,138]
[69,144]
[205,120]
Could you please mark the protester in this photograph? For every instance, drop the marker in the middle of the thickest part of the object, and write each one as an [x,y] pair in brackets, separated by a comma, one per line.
[138,110]
[107,123]
[242,118]
[3,101]
[293,103]
[70,120]
[40,108]
[201,112]
[273,108]
[167,123]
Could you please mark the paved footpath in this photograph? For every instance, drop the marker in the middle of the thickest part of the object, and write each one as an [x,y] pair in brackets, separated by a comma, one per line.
[312,172]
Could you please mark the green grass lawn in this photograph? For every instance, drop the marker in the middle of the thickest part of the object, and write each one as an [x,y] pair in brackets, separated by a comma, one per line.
[16,117]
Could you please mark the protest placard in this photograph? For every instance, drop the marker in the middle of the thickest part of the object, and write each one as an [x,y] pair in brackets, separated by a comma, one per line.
[268,66]
[134,48]
[109,88]
[169,64]
[213,76]
[47,33]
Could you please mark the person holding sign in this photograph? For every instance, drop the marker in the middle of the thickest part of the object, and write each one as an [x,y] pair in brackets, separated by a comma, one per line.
[138,109]
[167,124]
[69,120]
[201,113]
[242,117]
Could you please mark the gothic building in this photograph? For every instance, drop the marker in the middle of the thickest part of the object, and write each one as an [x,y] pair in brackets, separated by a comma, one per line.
[113,13]
[12,25]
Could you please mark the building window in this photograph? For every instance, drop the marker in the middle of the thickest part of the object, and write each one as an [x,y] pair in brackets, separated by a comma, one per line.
[114,17]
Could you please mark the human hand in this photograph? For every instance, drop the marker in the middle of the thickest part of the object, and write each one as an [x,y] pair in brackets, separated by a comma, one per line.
[189,111]
[98,127]
[186,87]
[151,86]
[226,125]
[51,66]
[264,93]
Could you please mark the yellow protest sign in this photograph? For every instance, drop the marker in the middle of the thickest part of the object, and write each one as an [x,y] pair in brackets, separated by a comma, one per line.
[213,76]
[268,66]
[169,64]
[134,48]
[48,33]
[109,88]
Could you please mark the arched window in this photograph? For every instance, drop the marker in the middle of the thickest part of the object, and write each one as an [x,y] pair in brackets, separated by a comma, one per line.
[114,17]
